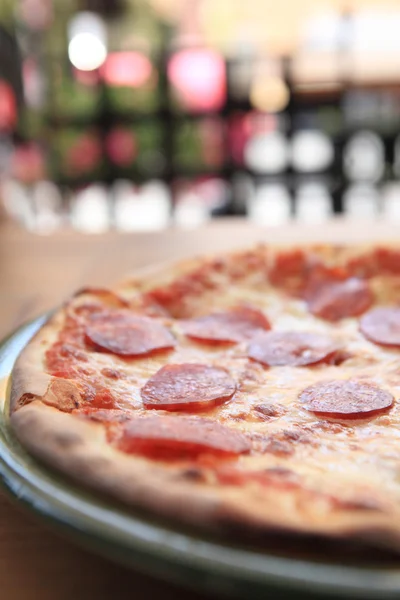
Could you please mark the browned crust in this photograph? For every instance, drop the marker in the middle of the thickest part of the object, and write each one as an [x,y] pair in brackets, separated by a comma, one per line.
[29,380]
[28,375]
[79,449]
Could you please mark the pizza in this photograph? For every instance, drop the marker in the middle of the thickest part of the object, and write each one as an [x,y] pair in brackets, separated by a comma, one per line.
[255,391]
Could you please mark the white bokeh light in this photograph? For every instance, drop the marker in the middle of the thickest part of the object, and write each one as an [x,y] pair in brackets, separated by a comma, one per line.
[311,151]
[270,205]
[361,201]
[364,157]
[267,152]
[90,209]
[86,52]
[313,203]
[141,208]
[191,212]
[87,48]
[322,32]
[376,30]
[391,201]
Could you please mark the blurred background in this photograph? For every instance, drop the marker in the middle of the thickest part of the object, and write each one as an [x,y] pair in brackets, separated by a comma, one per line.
[140,114]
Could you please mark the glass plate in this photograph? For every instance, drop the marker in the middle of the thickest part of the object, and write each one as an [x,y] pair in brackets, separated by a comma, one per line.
[136,540]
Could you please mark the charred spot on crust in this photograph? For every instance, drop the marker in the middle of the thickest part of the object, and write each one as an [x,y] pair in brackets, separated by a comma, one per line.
[193,474]
[66,350]
[111,373]
[294,435]
[62,394]
[24,400]
[240,416]
[270,444]
[218,264]
[281,472]
[70,351]
[326,426]
[68,439]
[360,504]
[105,416]
[278,447]
[269,411]
[340,357]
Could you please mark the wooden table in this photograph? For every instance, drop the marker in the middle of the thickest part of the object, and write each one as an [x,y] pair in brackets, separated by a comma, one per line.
[36,273]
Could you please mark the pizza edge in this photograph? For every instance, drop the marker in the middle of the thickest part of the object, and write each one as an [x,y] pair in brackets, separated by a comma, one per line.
[164,273]
[28,379]
[79,448]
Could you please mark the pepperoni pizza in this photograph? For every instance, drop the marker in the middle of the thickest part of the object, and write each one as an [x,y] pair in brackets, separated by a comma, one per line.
[256,389]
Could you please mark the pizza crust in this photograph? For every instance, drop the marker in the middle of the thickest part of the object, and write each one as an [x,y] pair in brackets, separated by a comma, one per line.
[29,380]
[28,376]
[79,449]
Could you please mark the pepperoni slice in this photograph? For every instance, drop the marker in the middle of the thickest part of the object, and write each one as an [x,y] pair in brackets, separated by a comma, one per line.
[295,349]
[289,268]
[334,300]
[125,334]
[188,387]
[382,326]
[382,261]
[346,399]
[388,260]
[233,326]
[166,436]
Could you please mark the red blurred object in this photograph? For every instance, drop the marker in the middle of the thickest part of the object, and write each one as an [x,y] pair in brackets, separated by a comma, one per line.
[121,147]
[84,154]
[8,107]
[200,79]
[127,69]
[28,164]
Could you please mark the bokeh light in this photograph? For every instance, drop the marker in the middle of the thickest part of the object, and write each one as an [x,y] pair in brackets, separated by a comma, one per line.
[127,69]
[364,157]
[86,52]
[121,146]
[198,75]
[87,48]
[270,94]
[8,107]
[267,152]
[311,151]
